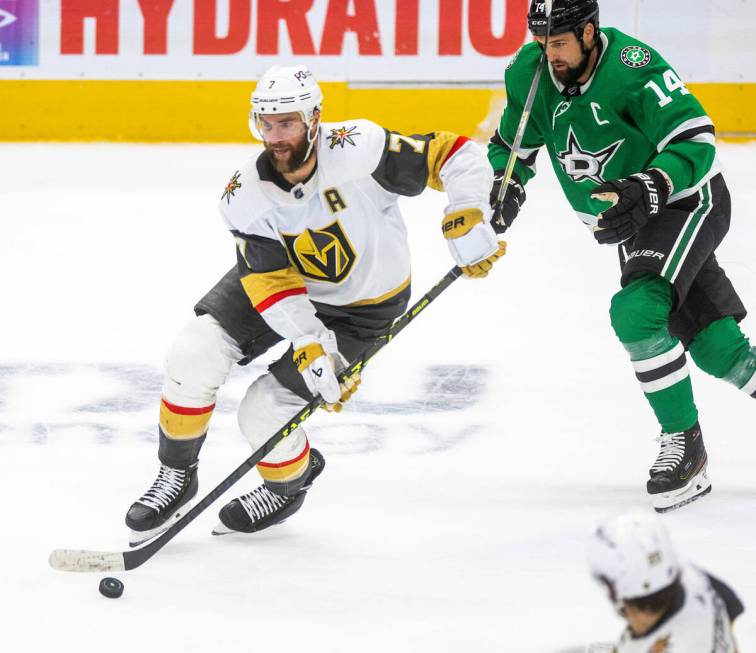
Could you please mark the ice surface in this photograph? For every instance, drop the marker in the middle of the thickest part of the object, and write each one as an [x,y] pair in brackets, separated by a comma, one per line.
[459,488]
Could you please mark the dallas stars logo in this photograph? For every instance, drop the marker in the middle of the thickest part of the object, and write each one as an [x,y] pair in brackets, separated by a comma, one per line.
[342,135]
[584,165]
[231,186]
[635,56]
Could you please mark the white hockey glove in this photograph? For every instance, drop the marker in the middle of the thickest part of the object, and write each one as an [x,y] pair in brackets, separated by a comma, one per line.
[472,242]
[319,362]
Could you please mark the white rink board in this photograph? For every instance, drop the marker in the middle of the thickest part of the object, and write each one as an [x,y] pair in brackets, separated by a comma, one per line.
[706,41]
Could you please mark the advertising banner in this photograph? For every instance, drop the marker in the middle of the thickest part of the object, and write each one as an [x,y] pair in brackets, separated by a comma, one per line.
[384,41]
[19,28]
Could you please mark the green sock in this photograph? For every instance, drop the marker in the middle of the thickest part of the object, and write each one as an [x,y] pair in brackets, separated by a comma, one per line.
[722,350]
[640,317]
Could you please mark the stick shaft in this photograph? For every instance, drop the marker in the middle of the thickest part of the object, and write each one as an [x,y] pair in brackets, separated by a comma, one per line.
[137,557]
[522,126]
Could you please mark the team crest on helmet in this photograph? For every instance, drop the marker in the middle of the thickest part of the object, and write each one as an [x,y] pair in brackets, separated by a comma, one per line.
[231,187]
[322,254]
[634,56]
[584,165]
[341,136]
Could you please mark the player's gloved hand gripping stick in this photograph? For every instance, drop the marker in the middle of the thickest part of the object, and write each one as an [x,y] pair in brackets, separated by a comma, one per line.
[82,560]
[500,224]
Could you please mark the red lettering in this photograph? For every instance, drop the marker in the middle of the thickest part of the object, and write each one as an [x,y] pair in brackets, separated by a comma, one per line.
[515,28]
[294,14]
[72,15]
[450,27]
[363,22]
[407,22]
[155,13]
[206,39]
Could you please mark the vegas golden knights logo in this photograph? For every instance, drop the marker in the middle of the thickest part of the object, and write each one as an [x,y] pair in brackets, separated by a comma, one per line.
[322,254]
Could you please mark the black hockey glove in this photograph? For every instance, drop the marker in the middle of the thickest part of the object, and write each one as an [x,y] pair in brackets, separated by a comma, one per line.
[514,198]
[637,199]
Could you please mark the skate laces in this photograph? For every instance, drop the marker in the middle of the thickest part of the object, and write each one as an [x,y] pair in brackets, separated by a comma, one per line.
[261,502]
[165,489]
[672,452]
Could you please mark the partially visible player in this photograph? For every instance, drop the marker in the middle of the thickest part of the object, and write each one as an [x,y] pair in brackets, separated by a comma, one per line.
[669,606]
[323,262]
[635,154]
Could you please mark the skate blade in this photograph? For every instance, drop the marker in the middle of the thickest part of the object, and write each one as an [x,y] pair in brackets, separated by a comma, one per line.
[699,486]
[140,537]
[221,529]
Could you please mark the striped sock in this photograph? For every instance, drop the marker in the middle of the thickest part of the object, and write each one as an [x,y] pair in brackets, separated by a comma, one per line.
[182,432]
[288,476]
[661,368]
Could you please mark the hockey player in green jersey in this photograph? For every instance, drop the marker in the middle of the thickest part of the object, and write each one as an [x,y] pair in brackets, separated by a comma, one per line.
[634,152]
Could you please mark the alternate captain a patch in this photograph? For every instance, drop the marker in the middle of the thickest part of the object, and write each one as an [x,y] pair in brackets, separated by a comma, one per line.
[322,254]
[231,187]
[341,136]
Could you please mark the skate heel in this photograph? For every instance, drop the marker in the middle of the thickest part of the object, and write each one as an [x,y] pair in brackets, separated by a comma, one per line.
[697,487]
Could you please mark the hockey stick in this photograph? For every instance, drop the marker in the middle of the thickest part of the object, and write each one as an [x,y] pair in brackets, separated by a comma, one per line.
[82,560]
[520,133]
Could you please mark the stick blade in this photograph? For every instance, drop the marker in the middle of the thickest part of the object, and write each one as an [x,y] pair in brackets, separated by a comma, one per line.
[80,560]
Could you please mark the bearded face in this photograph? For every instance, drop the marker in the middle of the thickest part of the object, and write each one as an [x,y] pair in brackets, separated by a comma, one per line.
[288,156]
[285,140]
[569,57]
[569,74]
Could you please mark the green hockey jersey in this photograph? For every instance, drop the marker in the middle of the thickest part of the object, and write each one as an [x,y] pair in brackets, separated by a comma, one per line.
[633,113]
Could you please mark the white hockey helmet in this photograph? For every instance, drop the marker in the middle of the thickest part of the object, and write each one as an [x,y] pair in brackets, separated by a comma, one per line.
[634,555]
[285,89]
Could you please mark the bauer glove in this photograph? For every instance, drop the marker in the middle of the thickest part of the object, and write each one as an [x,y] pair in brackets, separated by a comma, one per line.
[319,362]
[472,242]
[635,201]
[506,211]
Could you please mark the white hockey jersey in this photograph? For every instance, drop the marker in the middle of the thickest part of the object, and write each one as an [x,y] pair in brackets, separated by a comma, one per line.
[703,624]
[339,238]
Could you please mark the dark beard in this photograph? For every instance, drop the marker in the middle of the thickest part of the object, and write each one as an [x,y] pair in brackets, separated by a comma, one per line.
[297,157]
[570,76]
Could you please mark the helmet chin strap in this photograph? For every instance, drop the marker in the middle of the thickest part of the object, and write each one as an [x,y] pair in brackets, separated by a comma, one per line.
[315,129]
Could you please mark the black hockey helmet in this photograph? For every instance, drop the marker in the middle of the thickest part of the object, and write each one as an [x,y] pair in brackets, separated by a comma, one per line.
[566,16]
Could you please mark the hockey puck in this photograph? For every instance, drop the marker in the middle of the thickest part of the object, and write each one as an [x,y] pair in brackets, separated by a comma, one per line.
[111,587]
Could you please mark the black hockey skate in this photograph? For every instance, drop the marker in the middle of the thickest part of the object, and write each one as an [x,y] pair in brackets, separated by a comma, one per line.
[262,508]
[165,502]
[679,474]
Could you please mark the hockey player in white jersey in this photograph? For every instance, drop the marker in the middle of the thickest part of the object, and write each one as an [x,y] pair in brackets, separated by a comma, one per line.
[322,262]
[669,606]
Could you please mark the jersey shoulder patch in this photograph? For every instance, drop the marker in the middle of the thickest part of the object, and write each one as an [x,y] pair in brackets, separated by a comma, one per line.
[519,73]
[628,53]
[350,150]
[243,198]
[635,56]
